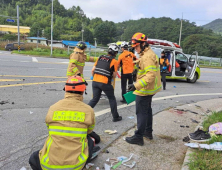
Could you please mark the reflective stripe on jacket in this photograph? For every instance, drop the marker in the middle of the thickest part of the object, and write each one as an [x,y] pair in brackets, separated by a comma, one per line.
[68,121]
[77,62]
[148,76]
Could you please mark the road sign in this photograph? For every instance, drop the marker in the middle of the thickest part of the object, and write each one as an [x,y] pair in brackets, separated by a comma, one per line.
[10,20]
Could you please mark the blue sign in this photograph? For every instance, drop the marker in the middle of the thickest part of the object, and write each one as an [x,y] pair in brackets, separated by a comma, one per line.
[10,20]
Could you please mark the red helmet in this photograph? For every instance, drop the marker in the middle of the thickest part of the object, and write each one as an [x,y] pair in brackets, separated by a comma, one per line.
[137,38]
[75,83]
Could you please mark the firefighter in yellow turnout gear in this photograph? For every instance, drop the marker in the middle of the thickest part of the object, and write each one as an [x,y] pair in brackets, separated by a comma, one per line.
[68,146]
[78,59]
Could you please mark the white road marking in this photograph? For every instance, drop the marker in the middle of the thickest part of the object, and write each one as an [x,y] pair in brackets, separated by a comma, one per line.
[34,60]
[102,112]
[51,69]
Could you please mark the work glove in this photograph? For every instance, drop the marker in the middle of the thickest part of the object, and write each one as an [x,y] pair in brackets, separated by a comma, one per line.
[165,67]
[131,87]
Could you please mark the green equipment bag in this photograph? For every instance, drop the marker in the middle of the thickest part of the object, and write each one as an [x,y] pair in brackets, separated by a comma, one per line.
[129,97]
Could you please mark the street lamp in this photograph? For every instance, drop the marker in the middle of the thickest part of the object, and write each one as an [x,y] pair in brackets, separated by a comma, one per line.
[82,34]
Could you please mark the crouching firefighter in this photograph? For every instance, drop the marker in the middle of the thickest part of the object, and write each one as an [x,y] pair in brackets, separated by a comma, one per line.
[78,59]
[104,70]
[68,146]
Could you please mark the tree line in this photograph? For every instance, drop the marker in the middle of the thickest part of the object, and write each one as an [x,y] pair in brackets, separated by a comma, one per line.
[68,24]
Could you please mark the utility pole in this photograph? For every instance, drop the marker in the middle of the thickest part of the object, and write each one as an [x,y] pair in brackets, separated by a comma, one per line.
[82,31]
[18,28]
[51,28]
[181,29]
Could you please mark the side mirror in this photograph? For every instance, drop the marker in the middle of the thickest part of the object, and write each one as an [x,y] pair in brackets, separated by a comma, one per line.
[192,60]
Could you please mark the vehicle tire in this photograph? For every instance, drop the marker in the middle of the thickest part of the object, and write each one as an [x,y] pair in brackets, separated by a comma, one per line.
[194,79]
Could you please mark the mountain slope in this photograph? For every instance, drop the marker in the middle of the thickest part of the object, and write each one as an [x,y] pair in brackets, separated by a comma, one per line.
[215,25]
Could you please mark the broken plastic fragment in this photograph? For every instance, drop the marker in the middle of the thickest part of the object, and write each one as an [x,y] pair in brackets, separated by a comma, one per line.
[132,165]
[121,158]
[30,112]
[131,117]
[107,167]
[23,168]
[110,132]
[89,165]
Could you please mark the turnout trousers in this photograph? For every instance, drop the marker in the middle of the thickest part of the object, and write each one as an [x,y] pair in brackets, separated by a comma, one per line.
[144,115]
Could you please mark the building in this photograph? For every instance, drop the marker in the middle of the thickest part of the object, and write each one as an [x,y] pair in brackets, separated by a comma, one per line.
[6,29]
[74,43]
[39,40]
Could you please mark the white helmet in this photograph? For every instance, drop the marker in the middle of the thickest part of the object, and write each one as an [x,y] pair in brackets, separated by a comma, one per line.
[124,45]
[113,48]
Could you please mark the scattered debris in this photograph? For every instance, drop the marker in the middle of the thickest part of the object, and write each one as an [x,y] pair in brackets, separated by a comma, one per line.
[107,167]
[177,101]
[30,112]
[130,166]
[175,86]
[89,165]
[186,139]
[131,117]
[177,94]
[117,165]
[97,168]
[194,121]
[23,168]
[215,146]
[184,126]
[13,102]
[107,151]
[4,102]
[110,132]
[121,158]
[192,112]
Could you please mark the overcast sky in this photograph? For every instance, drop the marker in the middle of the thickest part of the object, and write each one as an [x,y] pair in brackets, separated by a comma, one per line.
[199,11]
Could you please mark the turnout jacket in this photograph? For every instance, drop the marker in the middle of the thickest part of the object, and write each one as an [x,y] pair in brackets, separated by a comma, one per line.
[68,121]
[77,62]
[148,76]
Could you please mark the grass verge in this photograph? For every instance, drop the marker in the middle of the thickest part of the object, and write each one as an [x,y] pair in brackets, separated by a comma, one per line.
[203,159]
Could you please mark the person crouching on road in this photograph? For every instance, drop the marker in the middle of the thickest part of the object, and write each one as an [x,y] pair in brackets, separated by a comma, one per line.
[68,146]
[78,59]
[104,70]
[164,64]
[125,61]
[148,83]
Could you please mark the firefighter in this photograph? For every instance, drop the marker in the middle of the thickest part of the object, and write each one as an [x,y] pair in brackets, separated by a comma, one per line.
[148,84]
[78,59]
[125,61]
[164,64]
[68,146]
[104,71]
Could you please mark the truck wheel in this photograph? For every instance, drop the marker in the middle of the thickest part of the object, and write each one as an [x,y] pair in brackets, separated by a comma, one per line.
[194,79]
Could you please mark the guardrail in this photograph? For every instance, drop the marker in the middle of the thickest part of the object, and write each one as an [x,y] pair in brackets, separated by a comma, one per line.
[209,61]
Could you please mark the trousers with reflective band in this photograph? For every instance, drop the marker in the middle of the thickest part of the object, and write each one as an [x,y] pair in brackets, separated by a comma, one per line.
[65,131]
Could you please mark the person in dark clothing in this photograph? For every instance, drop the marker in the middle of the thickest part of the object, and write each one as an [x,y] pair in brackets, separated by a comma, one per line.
[104,72]
[164,64]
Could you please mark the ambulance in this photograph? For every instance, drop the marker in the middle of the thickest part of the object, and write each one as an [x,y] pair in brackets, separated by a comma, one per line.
[182,66]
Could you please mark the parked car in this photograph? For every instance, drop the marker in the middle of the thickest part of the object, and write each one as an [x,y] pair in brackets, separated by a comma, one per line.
[14,46]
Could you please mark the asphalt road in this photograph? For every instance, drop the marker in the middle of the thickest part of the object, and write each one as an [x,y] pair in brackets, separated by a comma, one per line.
[30,85]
